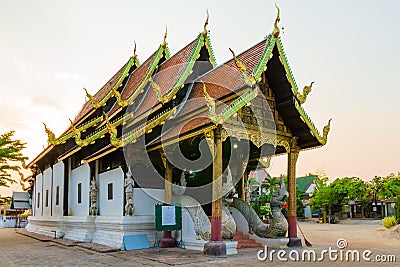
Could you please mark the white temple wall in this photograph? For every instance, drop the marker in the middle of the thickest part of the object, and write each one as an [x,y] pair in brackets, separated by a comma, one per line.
[145,199]
[79,180]
[58,189]
[111,204]
[47,189]
[38,195]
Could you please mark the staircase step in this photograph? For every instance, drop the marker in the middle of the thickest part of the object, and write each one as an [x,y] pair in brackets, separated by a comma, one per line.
[244,241]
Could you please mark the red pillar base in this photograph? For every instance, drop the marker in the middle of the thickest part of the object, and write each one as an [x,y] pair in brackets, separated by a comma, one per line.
[167,241]
[294,241]
[215,249]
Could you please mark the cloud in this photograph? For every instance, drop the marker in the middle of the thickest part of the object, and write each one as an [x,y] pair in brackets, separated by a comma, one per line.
[66,76]
[44,101]
[19,63]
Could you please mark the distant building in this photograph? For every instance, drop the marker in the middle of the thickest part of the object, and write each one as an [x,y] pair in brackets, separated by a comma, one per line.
[306,185]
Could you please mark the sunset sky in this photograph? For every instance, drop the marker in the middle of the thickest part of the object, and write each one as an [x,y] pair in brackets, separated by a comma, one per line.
[49,50]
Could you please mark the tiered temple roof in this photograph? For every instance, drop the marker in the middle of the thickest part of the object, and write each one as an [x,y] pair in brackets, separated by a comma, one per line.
[142,97]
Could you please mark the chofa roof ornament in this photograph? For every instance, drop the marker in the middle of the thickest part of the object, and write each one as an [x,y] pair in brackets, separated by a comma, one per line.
[277,20]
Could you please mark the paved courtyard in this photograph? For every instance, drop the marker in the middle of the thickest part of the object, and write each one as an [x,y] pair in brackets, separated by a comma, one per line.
[20,250]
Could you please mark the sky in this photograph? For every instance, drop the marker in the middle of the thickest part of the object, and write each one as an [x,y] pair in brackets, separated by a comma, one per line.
[49,50]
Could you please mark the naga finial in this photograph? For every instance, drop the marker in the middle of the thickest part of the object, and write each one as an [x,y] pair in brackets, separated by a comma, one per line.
[210,102]
[134,50]
[277,20]
[327,128]
[113,132]
[74,129]
[249,80]
[306,90]
[325,131]
[164,44]
[51,137]
[91,98]
[157,90]
[205,24]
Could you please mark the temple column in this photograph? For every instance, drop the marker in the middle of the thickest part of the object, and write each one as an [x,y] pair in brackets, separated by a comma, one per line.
[167,241]
[216,248]
[294,241]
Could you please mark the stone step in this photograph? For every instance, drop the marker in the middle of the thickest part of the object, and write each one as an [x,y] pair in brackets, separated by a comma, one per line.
[244,241]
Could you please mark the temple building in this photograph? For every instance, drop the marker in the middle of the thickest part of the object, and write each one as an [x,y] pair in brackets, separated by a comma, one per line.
[177,129]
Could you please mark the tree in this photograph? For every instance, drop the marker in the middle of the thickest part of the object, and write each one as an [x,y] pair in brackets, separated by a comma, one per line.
[386,187]
[11,157]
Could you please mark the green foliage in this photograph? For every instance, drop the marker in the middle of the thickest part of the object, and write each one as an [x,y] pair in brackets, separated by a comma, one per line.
[340,191]
[386,187]
[397,209]
[11,157]
[389,221]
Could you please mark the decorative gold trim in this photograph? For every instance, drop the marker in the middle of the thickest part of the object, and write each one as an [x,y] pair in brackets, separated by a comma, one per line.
[249,80]
[303,96]
[277,20]
[99,156]
[205,25]
[164,44]
[285,144]
[157,89]
[51,137]
[91,98]
[113,132]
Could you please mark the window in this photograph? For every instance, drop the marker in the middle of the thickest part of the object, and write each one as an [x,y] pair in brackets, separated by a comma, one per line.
[47,198]
[38,199]
[57,195]
[80,193]
[110,191]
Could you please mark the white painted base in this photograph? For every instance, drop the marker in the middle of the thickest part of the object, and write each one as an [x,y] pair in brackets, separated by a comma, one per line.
[79,228]
[243,226]
[46,226]
[110,230]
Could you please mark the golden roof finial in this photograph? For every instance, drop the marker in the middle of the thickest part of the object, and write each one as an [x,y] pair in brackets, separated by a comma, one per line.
[134,49]
[303,96]
[327,128]
[205,24]
[165,37]
[51,137]
[238,63]
[277,20]
[249,80]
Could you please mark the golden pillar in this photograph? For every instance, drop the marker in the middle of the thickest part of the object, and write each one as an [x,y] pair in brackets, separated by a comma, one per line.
[168,183]
[293,155]
[216,247]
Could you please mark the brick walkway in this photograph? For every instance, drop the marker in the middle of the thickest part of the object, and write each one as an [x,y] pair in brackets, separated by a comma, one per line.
[20,250]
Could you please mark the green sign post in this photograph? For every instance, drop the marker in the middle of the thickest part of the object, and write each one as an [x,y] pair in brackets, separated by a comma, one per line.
[168,217]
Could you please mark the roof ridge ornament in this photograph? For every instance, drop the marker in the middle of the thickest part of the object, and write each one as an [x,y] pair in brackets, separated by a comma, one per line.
[325,131]
[303,96]
[112,131]
[164,44]
[277,20]
[134,50]
[51,137]
[210,102]
[91,99]
[249,80]
[205,32]
[157,89]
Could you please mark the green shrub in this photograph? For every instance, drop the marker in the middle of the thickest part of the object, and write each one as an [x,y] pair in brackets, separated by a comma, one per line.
[389,221]
[397,209]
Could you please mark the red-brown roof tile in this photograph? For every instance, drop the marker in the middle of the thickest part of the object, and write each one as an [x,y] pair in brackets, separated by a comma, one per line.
[87,107]
[166,77]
